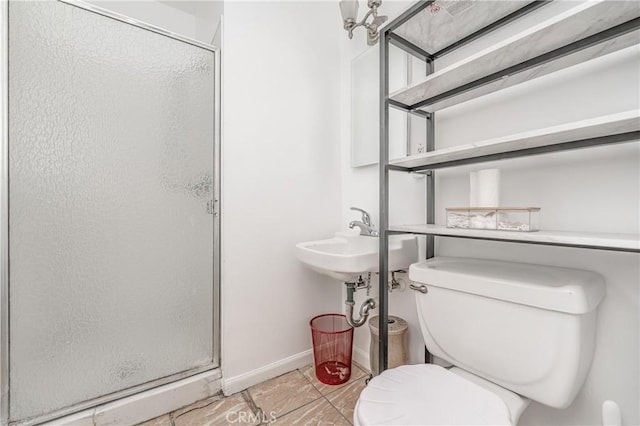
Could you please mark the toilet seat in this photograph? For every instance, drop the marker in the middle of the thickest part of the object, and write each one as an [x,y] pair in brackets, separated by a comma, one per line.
[428,394]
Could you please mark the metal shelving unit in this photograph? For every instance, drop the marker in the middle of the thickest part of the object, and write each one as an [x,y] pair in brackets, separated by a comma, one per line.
[582,33]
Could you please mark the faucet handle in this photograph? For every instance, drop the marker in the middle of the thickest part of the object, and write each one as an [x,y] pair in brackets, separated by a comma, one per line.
[366,219]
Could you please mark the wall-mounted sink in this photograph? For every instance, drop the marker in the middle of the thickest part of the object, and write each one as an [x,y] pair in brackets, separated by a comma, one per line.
[348,254]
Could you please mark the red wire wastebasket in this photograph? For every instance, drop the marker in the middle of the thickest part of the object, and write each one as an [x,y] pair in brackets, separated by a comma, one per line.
[332,343]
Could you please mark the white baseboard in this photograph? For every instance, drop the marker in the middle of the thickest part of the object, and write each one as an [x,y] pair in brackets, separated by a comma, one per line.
[241,382]
[149,404]
[361,357]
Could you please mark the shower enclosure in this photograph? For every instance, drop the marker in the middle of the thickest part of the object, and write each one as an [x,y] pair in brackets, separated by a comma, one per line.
[110,225]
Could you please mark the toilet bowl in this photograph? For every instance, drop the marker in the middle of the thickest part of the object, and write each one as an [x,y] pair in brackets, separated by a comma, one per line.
[513,333]
[428,394]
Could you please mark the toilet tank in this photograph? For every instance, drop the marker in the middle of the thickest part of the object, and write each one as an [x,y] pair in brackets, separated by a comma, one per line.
[529,328]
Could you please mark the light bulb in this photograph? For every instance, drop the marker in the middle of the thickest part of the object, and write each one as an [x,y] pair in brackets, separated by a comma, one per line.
[349,9]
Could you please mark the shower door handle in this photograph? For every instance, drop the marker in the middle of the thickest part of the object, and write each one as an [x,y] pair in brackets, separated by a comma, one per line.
[211,207]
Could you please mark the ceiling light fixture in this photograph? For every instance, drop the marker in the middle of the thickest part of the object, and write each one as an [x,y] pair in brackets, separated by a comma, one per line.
[349,10]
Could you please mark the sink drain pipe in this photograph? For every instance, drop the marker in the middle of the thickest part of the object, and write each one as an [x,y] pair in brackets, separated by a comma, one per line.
[368,305]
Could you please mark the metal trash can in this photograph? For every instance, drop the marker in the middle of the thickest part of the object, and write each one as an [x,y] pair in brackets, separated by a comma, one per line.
[332,346]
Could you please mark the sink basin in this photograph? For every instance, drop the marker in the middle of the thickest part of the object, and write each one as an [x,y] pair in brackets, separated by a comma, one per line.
[349,254]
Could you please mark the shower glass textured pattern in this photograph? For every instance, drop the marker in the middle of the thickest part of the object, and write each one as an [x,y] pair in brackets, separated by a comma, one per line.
[111,157]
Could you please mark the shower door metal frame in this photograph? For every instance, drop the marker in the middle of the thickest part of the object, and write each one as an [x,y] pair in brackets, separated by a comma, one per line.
[4,213]
[4,219]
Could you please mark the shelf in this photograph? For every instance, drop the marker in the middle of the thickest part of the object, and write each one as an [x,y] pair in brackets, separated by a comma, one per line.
[504,80]
[435,29]
[601,241]
[584,32]
[614,128]
[428,30]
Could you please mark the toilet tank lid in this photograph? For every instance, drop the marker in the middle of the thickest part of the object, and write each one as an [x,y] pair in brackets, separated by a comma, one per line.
[548,287]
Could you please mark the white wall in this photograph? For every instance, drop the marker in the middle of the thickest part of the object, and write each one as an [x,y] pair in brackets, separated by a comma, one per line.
[207,15]
[194,19]
[281,180]
[596,189]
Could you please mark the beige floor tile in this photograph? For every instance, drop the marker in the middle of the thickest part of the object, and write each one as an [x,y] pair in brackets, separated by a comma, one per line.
[364,368]
[345,398]
[225,411]
[318,413]
[158,421]
[283,394]
[309,373]
[197,404]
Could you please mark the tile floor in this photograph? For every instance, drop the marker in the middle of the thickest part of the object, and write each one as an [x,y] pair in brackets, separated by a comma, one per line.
[295,398]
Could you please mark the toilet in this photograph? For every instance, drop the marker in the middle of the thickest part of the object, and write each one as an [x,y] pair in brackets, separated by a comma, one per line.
[513,332]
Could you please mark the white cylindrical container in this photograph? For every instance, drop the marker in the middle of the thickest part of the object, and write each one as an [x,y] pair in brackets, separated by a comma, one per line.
[489,188]
[473,189]
[611,415]
[397,342]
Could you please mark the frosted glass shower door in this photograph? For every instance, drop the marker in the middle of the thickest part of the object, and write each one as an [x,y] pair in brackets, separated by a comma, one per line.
[111,168]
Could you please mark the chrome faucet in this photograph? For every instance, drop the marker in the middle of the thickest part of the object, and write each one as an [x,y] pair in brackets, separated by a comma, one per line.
[366,228]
